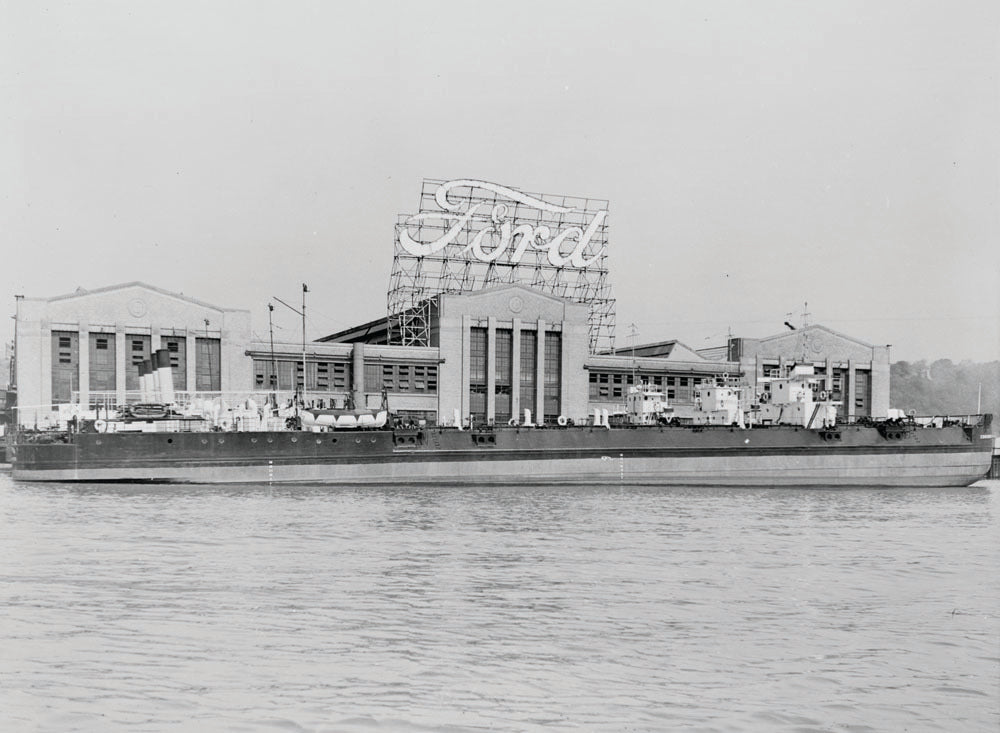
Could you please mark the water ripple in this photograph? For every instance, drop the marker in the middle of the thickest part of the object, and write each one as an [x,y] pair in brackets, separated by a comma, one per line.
[314,609]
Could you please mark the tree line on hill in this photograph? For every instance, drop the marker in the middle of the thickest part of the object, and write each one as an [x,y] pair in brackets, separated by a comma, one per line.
[944,388]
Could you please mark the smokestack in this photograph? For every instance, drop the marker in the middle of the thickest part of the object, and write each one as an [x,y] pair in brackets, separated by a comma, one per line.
[154,380]
[142,381]
[146,380]
[166,376]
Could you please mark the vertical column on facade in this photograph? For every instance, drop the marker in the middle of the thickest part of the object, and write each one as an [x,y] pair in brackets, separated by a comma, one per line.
[225,383]
[358,376]
[491,369]
[191,362]
[83,368]
[851,372]
[880,381]
[540,373]
[45,366]
[466,364]
[564,375]
[515,371]
[120,362]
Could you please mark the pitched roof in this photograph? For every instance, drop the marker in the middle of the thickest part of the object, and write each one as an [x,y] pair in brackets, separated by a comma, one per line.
[815,327]
[83,292]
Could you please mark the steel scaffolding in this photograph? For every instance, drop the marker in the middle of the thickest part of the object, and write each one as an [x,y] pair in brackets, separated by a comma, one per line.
[471,235]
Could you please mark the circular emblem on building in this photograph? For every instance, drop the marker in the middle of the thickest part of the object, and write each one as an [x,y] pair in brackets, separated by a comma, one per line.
[516,304]
[818,344]
[137,308]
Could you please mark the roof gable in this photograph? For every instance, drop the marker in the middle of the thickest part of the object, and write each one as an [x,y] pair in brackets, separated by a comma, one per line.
[814,330]
[812,342]
[136,285]
[522,290]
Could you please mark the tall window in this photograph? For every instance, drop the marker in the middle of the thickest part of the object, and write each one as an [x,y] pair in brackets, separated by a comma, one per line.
[208,365]
[862,393]
[65,365]
[102,362]
[553,375]
[477,374]
[177,346]
[137,350]
[503,375]
[529,371]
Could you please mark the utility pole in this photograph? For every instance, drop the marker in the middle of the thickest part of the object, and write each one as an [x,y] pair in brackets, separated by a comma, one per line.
[208,355]
[305,289]
[272,382]
[633,334]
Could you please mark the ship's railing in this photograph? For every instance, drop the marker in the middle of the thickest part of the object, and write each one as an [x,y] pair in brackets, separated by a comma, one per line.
[923,421]
[183,398]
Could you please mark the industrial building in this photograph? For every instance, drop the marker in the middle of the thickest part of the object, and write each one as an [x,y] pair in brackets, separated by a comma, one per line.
[480,328]
[494,353]
[85,347]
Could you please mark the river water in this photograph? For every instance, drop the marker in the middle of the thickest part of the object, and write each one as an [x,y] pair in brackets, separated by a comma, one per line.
[499,609]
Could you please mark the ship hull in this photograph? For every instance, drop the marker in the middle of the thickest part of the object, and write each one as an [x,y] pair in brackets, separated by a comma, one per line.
[854,456]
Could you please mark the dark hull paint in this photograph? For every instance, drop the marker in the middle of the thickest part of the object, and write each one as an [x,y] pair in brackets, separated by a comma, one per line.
[670,455]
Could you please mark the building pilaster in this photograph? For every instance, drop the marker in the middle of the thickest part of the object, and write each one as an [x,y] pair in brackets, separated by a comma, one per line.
[83,368]
[851,387]
[120,362]
[190,358]
[515,371]
[466,365]
[540,373]
[491,369]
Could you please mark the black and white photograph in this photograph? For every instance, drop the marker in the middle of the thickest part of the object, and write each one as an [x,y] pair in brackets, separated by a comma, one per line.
[445,367]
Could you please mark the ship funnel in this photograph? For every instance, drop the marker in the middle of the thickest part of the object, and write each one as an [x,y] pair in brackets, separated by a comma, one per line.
[604,416]
[166,376]
[145,381]
[154,380]
[458,419]
[527,419]
[597,418]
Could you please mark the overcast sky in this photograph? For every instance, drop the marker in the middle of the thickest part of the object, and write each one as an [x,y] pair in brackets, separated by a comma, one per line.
[757,156]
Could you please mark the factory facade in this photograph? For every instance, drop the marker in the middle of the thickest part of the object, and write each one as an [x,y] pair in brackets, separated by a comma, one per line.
[87,347]
[499,310]
[493,354]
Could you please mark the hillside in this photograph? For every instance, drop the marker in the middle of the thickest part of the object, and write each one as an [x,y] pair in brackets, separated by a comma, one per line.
[945,388]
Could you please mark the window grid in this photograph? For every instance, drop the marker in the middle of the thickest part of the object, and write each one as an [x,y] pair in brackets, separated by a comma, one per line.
[477,374]
[419,378]
[553,375]
[529,371]
[503,374]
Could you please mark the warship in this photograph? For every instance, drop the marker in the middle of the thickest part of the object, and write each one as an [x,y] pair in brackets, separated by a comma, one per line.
[787,434]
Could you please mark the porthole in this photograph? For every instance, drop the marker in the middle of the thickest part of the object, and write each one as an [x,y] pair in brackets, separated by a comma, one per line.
[270,439]
[253,440]
[333,440]
[357,440]
[294,439]
[97,442]
[373,440]
[318,441]
[221,441]
[170,440]
[204,441]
